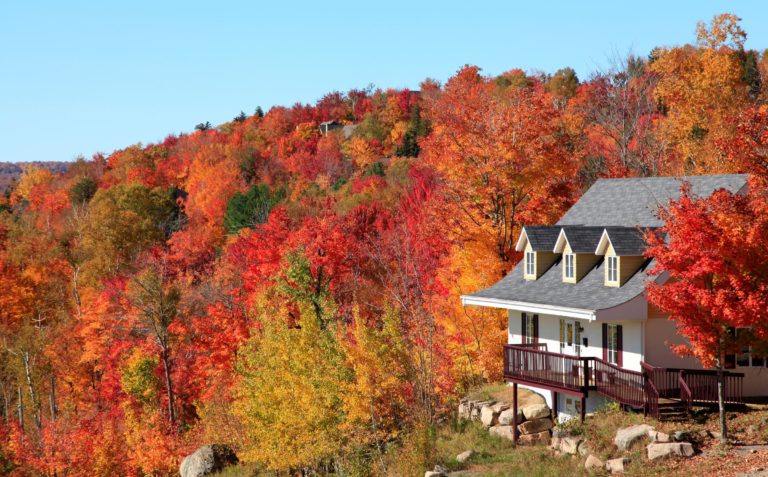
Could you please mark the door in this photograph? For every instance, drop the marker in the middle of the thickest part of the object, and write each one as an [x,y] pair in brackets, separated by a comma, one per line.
[569,337]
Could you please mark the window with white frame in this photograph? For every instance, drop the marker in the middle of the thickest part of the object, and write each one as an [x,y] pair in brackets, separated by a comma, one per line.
[530,264]
[612,269]
[569,271]
[612,343]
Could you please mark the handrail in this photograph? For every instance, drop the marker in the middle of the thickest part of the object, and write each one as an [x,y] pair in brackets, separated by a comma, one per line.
[548,353]
[624,385]
[685,392]
[526,364]
[651,396]
[535,346]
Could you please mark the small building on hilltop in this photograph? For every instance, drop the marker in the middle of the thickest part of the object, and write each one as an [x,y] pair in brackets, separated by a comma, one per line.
[580,330]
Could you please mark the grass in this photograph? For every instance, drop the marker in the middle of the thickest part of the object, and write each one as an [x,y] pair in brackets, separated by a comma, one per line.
[495,456]
[498,457]
[503,392]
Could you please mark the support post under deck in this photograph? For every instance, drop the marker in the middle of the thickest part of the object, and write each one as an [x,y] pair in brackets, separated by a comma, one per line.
[515,432]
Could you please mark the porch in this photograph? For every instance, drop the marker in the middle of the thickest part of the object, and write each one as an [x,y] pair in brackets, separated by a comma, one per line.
[657,391]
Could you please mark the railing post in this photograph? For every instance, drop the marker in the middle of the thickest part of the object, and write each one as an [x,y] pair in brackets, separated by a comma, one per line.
[506,360]
[585,364]
[645,392]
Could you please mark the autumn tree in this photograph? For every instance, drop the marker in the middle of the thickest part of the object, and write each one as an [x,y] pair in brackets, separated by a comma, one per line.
[499,148]
[155,300]
[712,250]
[700,87]
[621,120]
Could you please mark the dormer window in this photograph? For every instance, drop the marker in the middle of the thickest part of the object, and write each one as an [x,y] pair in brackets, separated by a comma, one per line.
[612,269]
[569,267]
[530,264]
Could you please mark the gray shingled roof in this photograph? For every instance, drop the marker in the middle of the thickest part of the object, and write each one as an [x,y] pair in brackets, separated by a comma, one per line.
[628,240]
[542,237]
[583,239]
[633,202]
[609,202]
[590,293]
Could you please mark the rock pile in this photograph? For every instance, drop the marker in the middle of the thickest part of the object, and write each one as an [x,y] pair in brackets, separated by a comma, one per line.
[534,421]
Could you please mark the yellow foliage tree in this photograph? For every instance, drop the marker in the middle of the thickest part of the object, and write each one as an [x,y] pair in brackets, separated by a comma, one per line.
[701,88]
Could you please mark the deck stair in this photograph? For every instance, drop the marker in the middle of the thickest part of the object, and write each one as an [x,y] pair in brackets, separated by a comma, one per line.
[672,410]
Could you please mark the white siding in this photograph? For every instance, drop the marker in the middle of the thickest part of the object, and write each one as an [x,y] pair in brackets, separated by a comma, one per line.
[658,353]
[549,333]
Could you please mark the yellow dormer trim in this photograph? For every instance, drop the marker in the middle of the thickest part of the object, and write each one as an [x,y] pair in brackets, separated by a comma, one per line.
[542,261]
[626,266]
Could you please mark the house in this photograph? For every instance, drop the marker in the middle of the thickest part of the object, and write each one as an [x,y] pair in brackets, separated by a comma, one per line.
[346,129]
[580,330]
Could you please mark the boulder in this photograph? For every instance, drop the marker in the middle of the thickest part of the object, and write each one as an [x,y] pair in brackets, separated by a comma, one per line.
[536,426]
[489,416]
[681,436]
[438,471]
[542,437]
[465,456]
[570,444]
[583,448]
[477,406]
[593,463]
[669,449]
[505,417]
[207,460]
[500,406]
[506,432]
[535,411]
[626,436]
[657,436]
[616,466]
[465,409]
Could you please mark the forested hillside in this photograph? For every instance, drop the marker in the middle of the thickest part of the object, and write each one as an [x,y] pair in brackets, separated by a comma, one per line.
[295,293]
[10,172]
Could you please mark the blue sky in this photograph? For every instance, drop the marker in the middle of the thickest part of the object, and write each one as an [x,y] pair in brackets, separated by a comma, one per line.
[80,77]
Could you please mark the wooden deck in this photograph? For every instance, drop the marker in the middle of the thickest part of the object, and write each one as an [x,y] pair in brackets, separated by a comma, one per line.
[650,389]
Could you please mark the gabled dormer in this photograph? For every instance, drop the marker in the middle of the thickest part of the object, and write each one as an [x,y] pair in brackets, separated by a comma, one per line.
[577,246]
[623,248]
[536,243]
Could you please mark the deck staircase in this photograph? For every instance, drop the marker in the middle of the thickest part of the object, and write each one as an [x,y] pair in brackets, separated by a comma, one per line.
[672,410]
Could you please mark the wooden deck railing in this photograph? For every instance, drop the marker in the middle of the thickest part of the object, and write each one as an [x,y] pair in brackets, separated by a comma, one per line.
[529,364]
[702,386]
[622,385]
[551,370]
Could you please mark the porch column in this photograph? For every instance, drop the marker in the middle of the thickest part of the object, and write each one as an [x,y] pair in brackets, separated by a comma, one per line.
[515,432]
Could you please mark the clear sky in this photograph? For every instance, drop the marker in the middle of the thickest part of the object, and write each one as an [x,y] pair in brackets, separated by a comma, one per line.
[77,77]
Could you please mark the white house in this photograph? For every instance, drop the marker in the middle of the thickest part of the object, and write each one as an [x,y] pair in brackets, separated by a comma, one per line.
[580,329]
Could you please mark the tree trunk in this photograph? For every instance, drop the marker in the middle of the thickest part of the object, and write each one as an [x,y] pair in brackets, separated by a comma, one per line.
[721,403]
[21,409]
[32,396]
[52,398]
[168,386]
